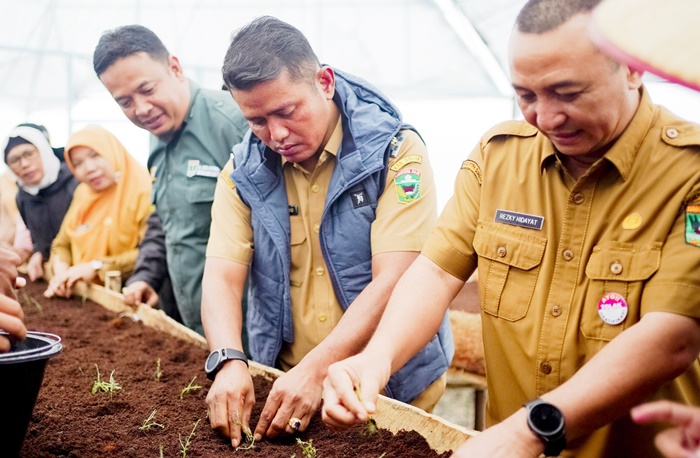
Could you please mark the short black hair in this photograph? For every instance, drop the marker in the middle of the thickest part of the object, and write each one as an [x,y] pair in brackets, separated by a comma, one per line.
[260,51]
[541,16]
[124,41]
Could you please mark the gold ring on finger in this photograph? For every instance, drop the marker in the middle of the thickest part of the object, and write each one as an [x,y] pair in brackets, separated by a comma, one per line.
[294,423]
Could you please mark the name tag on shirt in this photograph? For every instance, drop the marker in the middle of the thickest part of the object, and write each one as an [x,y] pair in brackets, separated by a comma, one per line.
[520,219]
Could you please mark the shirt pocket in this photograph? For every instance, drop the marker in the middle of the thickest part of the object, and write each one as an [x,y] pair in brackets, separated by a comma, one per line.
[200,190]
[620,268]
[299,251]
[509,264]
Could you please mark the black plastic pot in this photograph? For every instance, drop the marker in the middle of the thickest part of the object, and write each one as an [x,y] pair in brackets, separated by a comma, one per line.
[21,373]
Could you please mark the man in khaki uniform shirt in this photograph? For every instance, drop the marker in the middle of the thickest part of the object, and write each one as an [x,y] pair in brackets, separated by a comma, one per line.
[583,226]
[354,227]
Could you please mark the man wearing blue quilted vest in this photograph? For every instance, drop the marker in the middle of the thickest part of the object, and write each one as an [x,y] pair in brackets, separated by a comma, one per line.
[326,202]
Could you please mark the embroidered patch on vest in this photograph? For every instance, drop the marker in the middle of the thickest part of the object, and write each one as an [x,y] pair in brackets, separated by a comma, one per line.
[474,168]
[407,183]
[293,210]
[692,224]
[359,199]
[406,160]
[520,219]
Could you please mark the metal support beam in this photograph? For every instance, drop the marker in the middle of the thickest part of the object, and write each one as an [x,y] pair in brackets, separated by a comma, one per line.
[471,38]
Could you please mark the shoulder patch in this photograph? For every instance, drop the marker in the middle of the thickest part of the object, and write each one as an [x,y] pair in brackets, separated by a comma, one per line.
[681,135]
[407,183]
[396,166]
[692,225]
[474,168]
[516,128]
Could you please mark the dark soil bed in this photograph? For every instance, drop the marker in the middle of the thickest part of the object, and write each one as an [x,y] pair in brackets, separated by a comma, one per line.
[70,421]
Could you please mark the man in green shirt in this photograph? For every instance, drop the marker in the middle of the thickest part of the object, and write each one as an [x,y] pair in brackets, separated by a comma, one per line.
[193,132]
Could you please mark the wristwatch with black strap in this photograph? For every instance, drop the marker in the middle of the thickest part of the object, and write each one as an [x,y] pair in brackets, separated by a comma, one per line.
[547,423]
[217,358]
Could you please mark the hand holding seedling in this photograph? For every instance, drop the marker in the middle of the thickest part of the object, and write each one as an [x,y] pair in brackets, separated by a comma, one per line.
[230,401]
[351,389]
[296,394]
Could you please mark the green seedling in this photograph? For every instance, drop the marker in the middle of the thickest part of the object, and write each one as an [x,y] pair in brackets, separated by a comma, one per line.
[371,425]
[150,422]
[159,373]
[249,440]
[190,387]
[184,446]
[307,448]
[30,300]
[106,387]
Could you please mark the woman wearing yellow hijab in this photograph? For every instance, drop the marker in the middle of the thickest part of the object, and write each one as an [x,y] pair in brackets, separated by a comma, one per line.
[108,215]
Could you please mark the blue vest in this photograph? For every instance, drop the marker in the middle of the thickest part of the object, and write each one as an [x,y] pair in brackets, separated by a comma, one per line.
[370,121]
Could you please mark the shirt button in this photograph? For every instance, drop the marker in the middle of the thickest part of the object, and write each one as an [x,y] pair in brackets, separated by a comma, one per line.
[321,317]
[579,198]
[568,255]
[616,268]
[546,368]
[315,188]
[671,132]
[502,251]
[555,310]
[320,271]
[317,227]
[170,177]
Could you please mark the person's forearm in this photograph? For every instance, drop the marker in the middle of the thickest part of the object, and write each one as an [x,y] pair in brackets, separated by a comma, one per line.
[355,328]
[631,367]
[151,263]
[222,293]
[414,313]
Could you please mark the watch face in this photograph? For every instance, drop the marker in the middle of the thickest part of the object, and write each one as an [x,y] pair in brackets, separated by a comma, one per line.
[546,418]
[212,361]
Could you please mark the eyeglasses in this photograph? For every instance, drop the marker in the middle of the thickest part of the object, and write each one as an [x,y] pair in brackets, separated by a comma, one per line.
[28,155]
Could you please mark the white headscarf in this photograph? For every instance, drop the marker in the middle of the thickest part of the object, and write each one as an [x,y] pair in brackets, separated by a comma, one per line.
[51,163]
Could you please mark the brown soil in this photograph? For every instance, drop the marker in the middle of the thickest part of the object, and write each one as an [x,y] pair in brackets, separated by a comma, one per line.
[69,421]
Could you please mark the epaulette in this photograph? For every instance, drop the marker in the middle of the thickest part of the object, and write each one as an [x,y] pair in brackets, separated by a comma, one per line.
[516,128]
[681,135]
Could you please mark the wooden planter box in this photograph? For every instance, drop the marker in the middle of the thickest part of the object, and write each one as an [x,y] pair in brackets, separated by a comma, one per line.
[393,415]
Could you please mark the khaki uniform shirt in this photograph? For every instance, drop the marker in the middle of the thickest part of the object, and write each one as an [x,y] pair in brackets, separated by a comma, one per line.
[398,227]
[548,247]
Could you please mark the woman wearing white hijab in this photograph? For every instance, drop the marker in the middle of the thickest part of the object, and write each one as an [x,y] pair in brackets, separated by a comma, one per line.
[46,188]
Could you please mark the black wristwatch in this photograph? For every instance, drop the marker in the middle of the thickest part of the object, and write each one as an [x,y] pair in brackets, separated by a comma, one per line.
[547,422]
[217,358]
